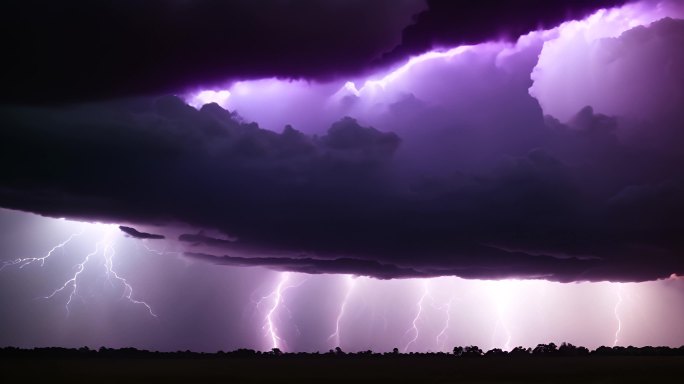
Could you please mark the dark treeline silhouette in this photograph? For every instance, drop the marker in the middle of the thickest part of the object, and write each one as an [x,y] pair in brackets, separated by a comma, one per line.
[472,351]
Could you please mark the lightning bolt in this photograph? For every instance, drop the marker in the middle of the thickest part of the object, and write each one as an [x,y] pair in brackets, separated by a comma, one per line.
[616,312]
[350,287]
[414,323]
[128,290]
[73,281]
[270,324]
[277,301]
[442,335]
[30,260]
[105,248]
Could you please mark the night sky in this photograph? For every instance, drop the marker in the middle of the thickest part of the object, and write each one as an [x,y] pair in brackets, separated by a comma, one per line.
[209,175]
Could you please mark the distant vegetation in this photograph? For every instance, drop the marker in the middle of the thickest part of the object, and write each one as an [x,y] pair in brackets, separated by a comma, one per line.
[545,363]
[541,350]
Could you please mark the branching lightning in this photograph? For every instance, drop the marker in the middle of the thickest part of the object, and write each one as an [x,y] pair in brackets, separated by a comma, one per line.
[276,298]
[104,248]
[73,281]
[128,290]
[30,260]
[350,287]
[429,320]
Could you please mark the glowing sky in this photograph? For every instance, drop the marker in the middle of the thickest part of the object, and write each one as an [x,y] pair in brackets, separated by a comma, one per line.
[499,192]
[198,306]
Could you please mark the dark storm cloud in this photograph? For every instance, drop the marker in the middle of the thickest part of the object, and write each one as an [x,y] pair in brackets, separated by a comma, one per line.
[487,265]
[201,239]
[485,187]
[130,231]
[313,266]
[57,51]
[78,50]
[447,23]
[342,198]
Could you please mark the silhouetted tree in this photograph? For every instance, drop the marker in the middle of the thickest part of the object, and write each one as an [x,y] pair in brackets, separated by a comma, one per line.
[458,351]
[496,352]
[520,351]
[472,351]
[567,349]
[545,349]
[603,351]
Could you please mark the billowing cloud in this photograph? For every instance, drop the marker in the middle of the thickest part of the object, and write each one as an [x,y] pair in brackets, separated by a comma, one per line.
[450,168]
[615,75]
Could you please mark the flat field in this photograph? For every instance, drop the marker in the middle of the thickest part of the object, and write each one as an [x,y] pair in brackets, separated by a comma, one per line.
[346,369]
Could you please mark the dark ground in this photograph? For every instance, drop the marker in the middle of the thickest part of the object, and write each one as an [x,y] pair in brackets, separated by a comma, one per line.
[317,369]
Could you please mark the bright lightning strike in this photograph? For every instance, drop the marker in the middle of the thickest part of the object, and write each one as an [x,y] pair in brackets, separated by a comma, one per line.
[103,248]
[350,287]
[128,290]
[30,260]
[277,301]
[73,281]
[414,324]
[616,312]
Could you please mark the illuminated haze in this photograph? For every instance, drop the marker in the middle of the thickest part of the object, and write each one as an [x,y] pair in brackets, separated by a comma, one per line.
[378,314]
[494,194]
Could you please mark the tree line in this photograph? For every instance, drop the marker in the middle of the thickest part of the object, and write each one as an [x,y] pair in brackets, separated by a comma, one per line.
[472,351]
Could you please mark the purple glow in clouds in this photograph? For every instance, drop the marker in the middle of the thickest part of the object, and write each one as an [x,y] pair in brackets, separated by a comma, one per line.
[587,62]
[567,49]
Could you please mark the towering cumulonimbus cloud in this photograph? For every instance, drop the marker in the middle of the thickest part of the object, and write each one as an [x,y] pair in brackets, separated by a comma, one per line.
[619,71]
[480,161]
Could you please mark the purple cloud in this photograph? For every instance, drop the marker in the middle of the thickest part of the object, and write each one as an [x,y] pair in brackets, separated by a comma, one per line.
[448,166]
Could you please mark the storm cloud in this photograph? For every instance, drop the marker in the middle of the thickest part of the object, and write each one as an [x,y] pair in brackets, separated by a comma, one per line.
[130,231]
[457,170]
[77,50]
[447,23]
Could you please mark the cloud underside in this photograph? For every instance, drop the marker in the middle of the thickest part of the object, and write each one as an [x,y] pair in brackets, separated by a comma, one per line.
[61,55]
[497,190]
[130,231]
